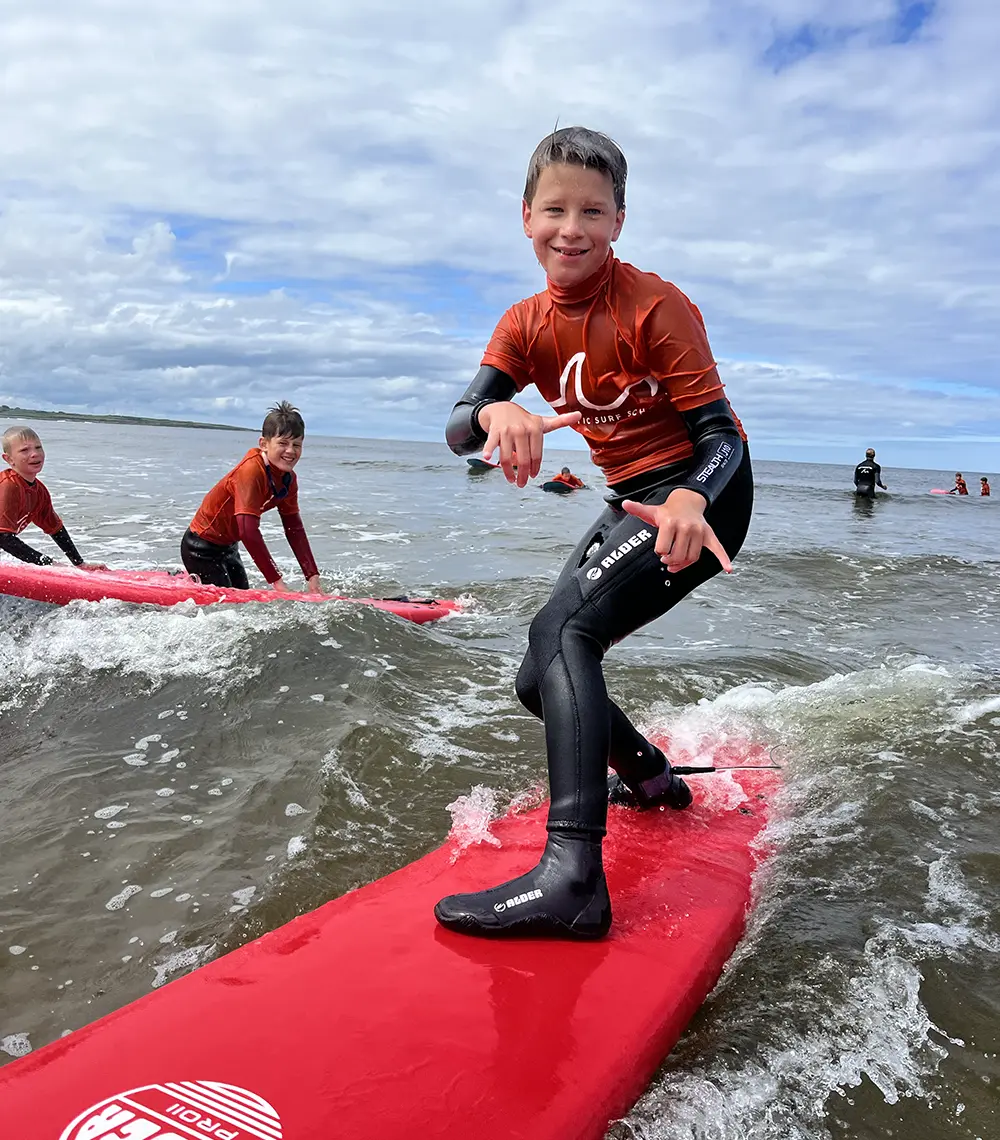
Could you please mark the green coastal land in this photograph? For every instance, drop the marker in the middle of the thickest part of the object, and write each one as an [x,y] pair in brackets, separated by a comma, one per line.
[9,413]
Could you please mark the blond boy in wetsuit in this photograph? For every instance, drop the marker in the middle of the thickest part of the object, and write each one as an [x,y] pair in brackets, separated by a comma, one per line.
[264,479]
[623,357]
[24,499]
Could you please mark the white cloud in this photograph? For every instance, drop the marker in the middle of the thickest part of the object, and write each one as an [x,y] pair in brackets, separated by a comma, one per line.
[212,205]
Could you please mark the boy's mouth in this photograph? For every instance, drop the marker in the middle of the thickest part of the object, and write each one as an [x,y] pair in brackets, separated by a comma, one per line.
[563,251]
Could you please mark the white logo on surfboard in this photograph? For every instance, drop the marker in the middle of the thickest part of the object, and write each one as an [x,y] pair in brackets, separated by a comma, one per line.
[575,365]
[178,1110]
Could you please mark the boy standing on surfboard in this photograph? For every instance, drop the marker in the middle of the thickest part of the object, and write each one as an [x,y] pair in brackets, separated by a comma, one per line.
[624,358]
[230,512]
[24,499]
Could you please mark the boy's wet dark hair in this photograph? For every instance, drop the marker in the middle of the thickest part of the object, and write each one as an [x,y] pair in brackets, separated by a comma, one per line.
[283,419]
[579,146]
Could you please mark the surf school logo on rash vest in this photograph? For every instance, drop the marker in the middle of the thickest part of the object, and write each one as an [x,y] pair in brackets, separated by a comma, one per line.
[182,1110]
[611,415]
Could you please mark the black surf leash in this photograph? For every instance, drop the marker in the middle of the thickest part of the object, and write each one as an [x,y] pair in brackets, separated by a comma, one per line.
[693,770]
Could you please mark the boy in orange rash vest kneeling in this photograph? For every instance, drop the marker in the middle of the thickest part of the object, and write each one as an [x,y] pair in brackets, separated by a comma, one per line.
[230,513]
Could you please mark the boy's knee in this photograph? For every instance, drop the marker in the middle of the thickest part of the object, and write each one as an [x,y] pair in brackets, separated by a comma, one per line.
[526,686]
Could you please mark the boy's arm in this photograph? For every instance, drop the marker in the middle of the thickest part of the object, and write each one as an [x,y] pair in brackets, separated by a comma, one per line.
[718,448]
[464,433]
[295,532]
[253,540]
[62,539]
[11,544]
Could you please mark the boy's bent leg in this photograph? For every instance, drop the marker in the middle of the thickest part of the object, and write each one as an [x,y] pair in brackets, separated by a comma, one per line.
[235,569]
[619,588]
[206,560]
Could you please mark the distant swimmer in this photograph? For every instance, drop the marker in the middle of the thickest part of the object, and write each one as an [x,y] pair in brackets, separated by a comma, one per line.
[230,513]
[960,488]
[566,476]
[868,475]
[984,488]
[24,499]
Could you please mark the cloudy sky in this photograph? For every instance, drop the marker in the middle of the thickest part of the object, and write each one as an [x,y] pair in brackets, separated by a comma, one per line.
[207,205]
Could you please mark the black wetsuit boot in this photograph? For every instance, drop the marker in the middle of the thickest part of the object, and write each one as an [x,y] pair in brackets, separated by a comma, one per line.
[565,896]
[635,788]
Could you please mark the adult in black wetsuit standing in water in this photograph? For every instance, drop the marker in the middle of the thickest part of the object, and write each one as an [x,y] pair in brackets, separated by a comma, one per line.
[868,475]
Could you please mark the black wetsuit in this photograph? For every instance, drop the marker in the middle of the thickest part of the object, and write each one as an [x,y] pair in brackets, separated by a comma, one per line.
[866,475]
[215,565]
[613,584]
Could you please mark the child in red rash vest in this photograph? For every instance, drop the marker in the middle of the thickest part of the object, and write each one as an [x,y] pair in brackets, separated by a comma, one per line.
[960,487]
[984,486]
[24,499]
[623,357]
[566,476]
[230,513]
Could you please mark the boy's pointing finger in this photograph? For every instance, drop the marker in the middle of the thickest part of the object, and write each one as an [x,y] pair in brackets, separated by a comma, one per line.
[641,511]
[550,423]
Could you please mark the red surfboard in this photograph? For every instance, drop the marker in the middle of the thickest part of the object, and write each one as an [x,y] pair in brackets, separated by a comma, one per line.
[365,1020]
[64,584]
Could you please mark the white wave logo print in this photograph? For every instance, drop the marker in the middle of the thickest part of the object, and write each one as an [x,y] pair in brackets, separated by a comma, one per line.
[178,1111]
[575,365]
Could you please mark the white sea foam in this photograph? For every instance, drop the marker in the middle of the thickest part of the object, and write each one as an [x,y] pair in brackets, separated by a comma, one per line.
[120,899]
[183,960]
[15,1045]
[471,817]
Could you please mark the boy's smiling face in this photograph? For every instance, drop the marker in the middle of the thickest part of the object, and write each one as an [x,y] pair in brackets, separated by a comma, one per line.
[27,457]
[282,451]
[572,221]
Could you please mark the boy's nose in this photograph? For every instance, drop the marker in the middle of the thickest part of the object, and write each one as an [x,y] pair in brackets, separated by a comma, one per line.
[572,225]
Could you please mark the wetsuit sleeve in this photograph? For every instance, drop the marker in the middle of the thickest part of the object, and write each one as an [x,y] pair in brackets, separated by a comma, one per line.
[11,544]
[490,386]
[295,532]
[253,540]
[878,475]
[62,539]
[718,448]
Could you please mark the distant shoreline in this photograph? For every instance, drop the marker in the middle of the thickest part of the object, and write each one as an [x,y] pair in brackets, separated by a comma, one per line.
[7,412]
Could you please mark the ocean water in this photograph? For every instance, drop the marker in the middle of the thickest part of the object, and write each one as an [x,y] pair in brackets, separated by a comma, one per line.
[176,782]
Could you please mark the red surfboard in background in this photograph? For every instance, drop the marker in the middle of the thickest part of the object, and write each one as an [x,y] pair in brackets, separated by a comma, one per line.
[61,585]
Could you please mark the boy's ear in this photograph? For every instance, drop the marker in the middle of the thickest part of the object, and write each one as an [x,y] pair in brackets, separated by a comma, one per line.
[619,222]
[526,217]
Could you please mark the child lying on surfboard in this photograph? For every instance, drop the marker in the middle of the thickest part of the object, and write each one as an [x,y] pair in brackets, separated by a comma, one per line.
[624,358]
[230,513]
[24,499]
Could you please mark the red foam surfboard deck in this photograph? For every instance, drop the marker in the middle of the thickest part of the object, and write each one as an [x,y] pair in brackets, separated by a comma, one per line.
[64,584]
[364,1020]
